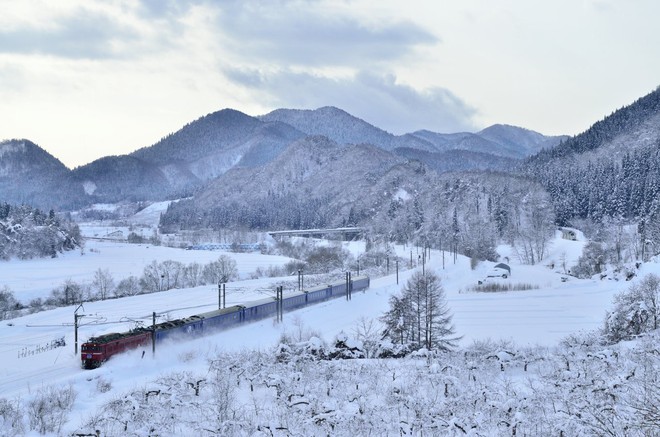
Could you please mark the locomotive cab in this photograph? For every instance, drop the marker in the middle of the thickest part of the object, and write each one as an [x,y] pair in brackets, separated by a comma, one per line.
[92,355]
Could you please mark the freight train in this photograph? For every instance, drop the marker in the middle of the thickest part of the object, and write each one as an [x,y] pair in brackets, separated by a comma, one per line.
[99,349]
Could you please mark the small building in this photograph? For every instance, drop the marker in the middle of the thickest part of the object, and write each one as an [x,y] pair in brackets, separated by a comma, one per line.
[500,270]
[568,234]
[503,267]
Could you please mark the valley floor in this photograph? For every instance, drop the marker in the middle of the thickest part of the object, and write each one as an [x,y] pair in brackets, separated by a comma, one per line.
[32,362]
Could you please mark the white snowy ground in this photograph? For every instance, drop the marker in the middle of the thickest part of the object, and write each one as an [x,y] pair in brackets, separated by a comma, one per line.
[539,316]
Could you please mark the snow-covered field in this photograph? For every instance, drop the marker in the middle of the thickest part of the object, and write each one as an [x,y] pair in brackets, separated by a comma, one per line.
[542,315]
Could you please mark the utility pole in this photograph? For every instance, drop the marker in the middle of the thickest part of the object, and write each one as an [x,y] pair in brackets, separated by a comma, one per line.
[279,297]
[350,286]
[76,316]
[222,295]
[397,271]
[153,334]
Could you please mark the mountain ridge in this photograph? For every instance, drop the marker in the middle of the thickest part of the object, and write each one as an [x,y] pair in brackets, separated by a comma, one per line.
[182,162]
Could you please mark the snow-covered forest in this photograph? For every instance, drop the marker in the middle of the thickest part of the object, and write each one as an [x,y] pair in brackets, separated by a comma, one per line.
[27,232]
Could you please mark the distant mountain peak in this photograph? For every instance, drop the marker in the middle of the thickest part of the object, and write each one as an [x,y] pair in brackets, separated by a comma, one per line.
[334,123]
[31,175]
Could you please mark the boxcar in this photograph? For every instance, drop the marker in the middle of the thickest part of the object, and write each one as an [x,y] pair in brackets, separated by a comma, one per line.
[297,299]
[190,326]
[259,309]
[223,318]
[319,294]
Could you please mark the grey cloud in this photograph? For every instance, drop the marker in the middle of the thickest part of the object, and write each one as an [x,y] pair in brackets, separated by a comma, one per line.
[299,33]
[165,9]
[379,100]
[85,35]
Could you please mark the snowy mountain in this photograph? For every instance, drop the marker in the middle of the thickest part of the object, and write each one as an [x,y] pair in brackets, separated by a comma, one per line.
[610,171]
[185,160]
[518,142]
[498,140]
[216,142]
[314,182]
[334,123]
[117,178]
[318,183]
[636,126]
[343,128]
[30,175]
[458,160]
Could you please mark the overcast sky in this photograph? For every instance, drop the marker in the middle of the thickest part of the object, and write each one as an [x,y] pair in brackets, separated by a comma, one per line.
[85,79]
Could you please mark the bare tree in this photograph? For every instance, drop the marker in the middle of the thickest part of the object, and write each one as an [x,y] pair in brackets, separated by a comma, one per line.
[222,270]
[192,274]
[367,331]
[128,287]
[172,274]
[152,278]
[534,227]
[103,283]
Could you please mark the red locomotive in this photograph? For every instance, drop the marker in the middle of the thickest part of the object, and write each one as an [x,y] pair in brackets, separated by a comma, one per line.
[98,349]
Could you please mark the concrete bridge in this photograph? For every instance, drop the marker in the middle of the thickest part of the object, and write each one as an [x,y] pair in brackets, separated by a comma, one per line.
[349,233]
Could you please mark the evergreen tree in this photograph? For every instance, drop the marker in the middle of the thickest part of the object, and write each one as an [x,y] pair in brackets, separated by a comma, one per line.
[420,316]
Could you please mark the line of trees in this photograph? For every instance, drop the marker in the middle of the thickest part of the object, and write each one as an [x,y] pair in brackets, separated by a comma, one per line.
[156,277]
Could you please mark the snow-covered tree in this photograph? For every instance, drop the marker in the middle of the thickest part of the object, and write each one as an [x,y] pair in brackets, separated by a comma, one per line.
[592,260]
[534,227]
[8,303]
[420,316]
[636,310]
